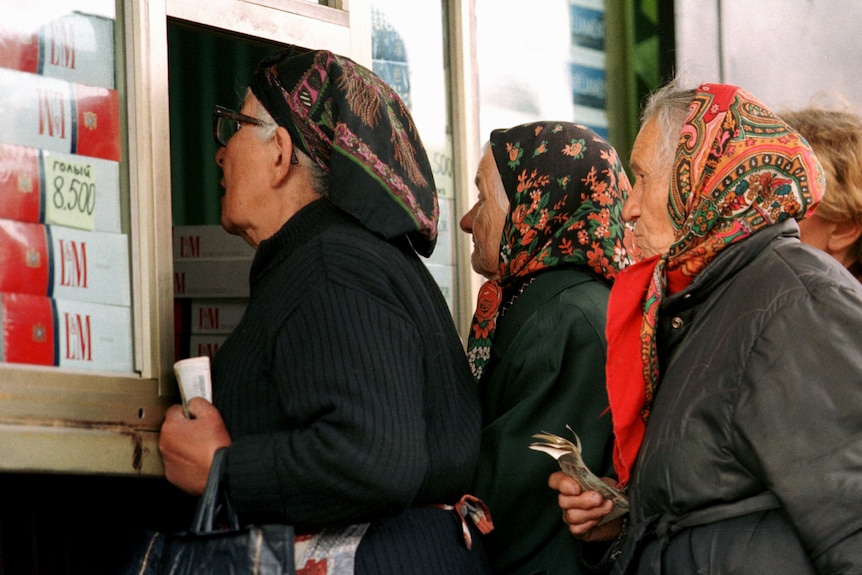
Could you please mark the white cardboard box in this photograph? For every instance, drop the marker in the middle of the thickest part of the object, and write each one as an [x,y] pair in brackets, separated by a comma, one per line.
[212,278]
[79,335]
[208,241]
[64,263]
[216,316]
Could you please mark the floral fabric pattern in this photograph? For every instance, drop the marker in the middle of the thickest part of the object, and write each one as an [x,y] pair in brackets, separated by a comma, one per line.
[566,189]
[738,168]
[357,129]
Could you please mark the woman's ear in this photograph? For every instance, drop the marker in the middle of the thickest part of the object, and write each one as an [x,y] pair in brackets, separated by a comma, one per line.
[844,234]
[284,158]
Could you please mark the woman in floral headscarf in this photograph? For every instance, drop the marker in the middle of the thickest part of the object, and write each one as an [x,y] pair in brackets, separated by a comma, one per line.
[734,356]
[549,236]
[342,400]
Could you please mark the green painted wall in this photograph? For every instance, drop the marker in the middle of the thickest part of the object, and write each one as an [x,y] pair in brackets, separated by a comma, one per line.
[640,57]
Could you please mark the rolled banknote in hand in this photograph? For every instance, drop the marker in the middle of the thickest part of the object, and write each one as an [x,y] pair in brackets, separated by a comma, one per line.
[568,455]
[193,377]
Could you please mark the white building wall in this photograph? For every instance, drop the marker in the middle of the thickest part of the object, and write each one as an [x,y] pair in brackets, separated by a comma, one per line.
[787,53]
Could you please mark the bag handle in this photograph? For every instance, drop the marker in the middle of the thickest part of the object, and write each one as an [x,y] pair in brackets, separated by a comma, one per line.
[208,504]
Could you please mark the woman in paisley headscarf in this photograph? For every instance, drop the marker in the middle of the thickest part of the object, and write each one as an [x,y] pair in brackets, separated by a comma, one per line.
[548,235]
[734,356]
[342,400]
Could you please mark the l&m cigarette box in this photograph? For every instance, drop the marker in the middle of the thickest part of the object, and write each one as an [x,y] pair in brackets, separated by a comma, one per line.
[208,241]
[64,263]
[78,335]
[210,263]
[76,47]
[212,278]
[60,116]
[205,345]
[216,316]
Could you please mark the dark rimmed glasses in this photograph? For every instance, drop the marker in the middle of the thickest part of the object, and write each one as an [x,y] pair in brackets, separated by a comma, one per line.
[226,123]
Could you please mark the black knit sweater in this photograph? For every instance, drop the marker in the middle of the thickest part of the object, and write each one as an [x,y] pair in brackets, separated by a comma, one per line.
[345,387]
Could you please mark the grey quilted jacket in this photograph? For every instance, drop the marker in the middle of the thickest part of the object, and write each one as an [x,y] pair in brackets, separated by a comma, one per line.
[752,460]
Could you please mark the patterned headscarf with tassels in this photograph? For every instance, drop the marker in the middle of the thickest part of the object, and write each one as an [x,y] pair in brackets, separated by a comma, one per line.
[357,129]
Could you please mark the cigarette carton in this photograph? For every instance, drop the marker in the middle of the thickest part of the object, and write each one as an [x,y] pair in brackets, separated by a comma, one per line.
[62,189]
[60,116]
[73,46]
[38,330]
[216,316]
[212,278]
[26,329]
[64,263]
[205,345]
[93,337]
[208,241]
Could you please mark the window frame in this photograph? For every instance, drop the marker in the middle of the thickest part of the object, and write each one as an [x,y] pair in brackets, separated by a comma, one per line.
[64,421]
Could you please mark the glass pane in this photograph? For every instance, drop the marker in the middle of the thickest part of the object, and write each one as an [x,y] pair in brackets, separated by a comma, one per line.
[65,290]
[542,63]
[408,52]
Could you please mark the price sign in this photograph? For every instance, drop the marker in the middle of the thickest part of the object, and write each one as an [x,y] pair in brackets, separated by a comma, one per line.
[70,193]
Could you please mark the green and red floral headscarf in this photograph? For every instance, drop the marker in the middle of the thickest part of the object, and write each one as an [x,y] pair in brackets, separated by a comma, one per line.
[738,168]
[357,129]
[566,189]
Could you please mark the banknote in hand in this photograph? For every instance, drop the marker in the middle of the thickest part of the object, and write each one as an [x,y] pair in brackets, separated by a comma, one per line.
[568,455]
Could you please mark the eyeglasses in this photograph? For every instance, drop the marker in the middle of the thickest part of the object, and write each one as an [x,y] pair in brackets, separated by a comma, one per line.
[226,123]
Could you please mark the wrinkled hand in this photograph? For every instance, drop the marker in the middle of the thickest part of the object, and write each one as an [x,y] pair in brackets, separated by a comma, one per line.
[187,445]
[582,510]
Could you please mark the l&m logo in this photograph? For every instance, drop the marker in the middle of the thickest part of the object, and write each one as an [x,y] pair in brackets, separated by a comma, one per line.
[208,318]
[78,339]
[73,264]
[52,114]
[63,44]
[190,246]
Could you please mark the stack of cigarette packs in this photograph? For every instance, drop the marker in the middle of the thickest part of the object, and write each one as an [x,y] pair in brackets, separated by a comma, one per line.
[211,269]
[65,292]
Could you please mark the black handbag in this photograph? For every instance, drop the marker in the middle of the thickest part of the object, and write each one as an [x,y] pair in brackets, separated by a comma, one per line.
[204,550]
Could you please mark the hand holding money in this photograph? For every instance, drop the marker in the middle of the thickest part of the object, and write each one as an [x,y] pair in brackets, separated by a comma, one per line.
[193,377]
[568,455]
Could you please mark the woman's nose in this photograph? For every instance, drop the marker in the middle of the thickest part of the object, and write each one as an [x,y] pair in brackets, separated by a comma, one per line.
[631,209]
[467,221]
[219,156]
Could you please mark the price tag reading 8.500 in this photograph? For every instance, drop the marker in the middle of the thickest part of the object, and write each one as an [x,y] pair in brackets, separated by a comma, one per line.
[70,193]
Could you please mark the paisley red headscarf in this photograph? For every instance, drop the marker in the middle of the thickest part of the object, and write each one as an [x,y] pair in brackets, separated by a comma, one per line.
[738,168]
[566,189]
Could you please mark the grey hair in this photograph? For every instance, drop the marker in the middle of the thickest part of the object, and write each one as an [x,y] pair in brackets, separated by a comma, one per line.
[319,177]
[669,105]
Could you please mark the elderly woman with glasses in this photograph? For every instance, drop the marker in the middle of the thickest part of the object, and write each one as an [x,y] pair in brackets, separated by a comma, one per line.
[734,368]
[343,399]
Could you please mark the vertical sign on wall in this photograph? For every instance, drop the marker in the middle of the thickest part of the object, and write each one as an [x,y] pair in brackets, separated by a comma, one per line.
[589,82]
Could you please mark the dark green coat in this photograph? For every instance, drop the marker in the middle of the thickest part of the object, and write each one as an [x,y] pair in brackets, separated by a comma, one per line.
[547,370]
